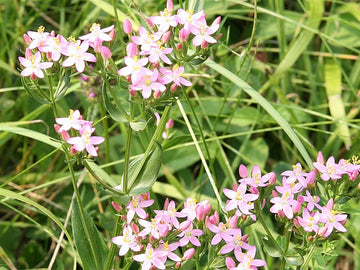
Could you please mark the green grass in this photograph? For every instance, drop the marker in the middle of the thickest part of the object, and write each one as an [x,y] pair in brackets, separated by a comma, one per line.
[281,84]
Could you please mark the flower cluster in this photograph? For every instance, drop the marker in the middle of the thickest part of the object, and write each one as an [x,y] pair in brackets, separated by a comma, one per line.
[295,198]
[151,63]
[85,140]
[68,52]
[172,235]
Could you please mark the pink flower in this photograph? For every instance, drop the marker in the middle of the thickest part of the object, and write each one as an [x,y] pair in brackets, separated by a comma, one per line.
[296,174]
[248,261]
[96,33]
[135,68]
[126,241]
[190,20]
[332,220]
[240,199]
[32,65]
[190,235]
[309,221]
[150,228]
[221,232]
[85,141]
[77,55]
[283,203]
[74,120]
[157,52]
[169,248]
[54,46]
[164,20]
[148,83]
[236,243]
[329,171]
[136,205]
[39,38]
[257,180]
[175,75]
[203,33]
[146,40]
[151,258]
[312,201]
[169,215]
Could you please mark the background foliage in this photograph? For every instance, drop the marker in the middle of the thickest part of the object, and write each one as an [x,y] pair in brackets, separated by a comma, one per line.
[301,59]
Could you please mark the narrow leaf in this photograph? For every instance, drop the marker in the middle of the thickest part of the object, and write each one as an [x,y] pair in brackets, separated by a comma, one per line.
[83,245]
[113,110]
[266,105]
[144,180]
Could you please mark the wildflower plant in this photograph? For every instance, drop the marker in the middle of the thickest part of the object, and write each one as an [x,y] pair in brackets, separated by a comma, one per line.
[136,76]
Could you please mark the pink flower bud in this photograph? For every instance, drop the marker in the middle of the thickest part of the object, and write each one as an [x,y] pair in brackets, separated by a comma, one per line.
[170,5]
[320,158]
[169,124]
[173,87]
[234,187]
[263,204]
[296,207]
[131,49]
[179,46]
[105,52]
[127,26]
[157,116]
[152,239]
[27,39]
[65,135]
[218,36]
[166,37]
[92,95]
[48,56]
[57,127]
[183,34]
[310,238]
[150,23]
[322,231]
[184,225]
[33,76]
[178,265]
[214,218]
[200,212]
[97,45]
[164,135]
[166,203]
[243,171]
[296,223]
[163,231]
[230,263]
[112,34]
[245,238]
[188,254]
[28,53]
[135,228]
[310,178]
[132,92]
[157,94]
[73,150]
[272,179]
[343,222]
[330,204]
[353,175]
[281,214]
[274,193]
[232,221]
[116,206]
[254,190]
[204,45]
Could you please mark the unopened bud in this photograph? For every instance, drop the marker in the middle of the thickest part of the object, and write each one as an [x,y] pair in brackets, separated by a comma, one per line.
[179,46]
[204,45]
[157,94]
[230,263]
[163,231]
[310,238]
[330,204]
[132,92]
[65,135]
[320,157]
[135,228]
[232,222]
[105,52]
[296,223]
[131,49]
[243,171]
[112,34]
[169,124]
[218,36]
[166,37]
[310,178]
[188,254]
[27,39]
[183,34]
[170,5]
[272,179]
[116,206]
[73,150]
[281,214]
[127,26]
[173,87]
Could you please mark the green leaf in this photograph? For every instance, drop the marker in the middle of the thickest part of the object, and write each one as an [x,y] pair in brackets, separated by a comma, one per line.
[144,180]
[293,258]
[266,105]
[271,249]
[138,125]
[113,110]
[84,246]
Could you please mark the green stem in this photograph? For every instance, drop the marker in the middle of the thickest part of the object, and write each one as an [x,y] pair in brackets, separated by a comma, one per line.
[127,158]
[111,254]
[308,257]
[106,132]
[268,233]
[82,214]
[207,170]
